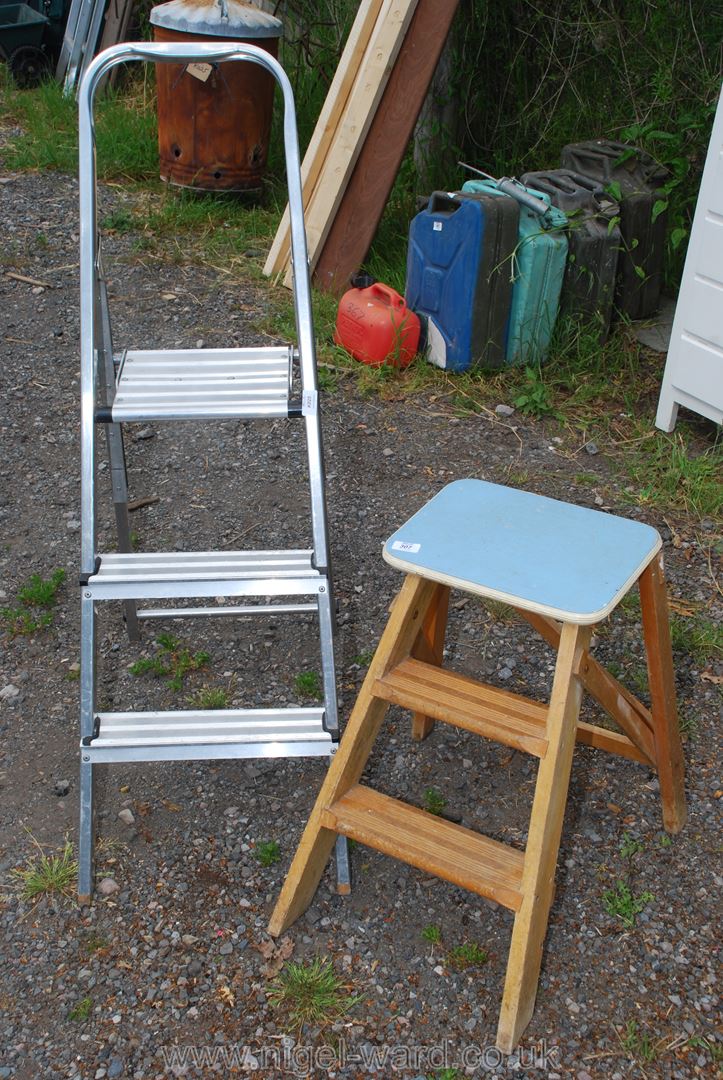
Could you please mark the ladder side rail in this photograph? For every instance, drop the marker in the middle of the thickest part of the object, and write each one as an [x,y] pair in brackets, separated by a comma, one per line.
[213,53]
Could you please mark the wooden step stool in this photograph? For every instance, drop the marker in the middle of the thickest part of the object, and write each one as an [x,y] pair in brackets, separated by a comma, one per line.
[564,568]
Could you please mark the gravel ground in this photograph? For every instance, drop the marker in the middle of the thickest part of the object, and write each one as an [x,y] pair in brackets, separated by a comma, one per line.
[176,954]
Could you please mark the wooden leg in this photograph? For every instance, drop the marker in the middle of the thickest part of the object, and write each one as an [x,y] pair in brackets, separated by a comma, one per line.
[429,647]
[543,840]
[668,749]
[401,632]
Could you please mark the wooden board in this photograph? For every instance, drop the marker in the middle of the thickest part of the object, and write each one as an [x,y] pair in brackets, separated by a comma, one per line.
[336,100]
[354,124]
[368,189]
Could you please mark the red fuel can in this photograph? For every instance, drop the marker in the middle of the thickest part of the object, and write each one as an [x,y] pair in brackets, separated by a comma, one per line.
[375,325]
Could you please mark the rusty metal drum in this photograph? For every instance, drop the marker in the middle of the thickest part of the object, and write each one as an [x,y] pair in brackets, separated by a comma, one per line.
[214,121]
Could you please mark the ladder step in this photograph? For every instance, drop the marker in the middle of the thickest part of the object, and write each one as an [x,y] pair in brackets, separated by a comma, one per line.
[150,575]
[197,384]
[444,695]
[209,733]
[466,858]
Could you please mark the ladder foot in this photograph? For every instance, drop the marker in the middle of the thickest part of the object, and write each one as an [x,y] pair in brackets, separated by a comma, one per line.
[343,869]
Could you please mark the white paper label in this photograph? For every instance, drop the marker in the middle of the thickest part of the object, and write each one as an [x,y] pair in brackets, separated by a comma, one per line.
[404,545]
[309,402]
[436,345]
[200,71]
[437,226]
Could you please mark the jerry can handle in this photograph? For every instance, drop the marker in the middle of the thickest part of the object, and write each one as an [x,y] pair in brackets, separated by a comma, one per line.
[441,202]
[391,296]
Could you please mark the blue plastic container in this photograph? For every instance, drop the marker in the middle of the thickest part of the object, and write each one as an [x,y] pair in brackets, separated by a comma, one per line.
[458,277]
[538,272]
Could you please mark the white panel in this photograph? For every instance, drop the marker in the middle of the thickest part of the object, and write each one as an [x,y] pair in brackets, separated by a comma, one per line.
[694,367]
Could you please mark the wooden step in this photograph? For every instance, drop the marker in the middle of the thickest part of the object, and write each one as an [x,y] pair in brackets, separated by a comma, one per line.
[474,862]
[456,699]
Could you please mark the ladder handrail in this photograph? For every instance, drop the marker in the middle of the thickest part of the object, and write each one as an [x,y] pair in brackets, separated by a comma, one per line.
[173,52]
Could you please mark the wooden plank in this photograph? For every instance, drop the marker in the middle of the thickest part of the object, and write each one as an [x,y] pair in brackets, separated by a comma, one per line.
[668,749]
[456,699]
[368,189]
[348,764]
[543,840]
[617,701]
[611,741]
[326,126]
[432,844]
[354,124]
[429,647]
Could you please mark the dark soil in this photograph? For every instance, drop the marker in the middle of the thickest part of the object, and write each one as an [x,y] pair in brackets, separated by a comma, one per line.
[178,956]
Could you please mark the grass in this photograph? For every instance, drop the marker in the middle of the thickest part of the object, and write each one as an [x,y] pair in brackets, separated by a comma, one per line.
[364,658]
[630,846]
[622,904]
[467,955]
[701,638]
[670,474]
[268,852]
[432,934]
[211,697]
[173,662]
[48,875]
[310,993]
[82,1010]
[308,684]
[434,802]
[638,1044]
[37,596]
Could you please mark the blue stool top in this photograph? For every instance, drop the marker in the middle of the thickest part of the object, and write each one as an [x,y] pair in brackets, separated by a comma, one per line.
[535,553]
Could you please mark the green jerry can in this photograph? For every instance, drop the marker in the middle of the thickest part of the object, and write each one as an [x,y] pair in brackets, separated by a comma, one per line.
[537,269]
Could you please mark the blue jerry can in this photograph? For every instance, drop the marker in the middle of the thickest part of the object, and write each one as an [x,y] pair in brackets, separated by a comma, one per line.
[538,271]
[458,277]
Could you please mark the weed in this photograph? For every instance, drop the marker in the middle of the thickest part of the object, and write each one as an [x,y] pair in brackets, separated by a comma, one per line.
[688,726]
[536,397]
[584,479]
[670,475]
[35,593]
[715,1049]
[630,846]
[211,697]
[499,611]
[432,934]
[48,875]
[620,902]
[665,841]
[434,802]
[445,1074]
[701,638]
[364,659]
[636,1043]
[91,942]
[40,593]
[310,994]
[308,683]
[468,955]
[268,852]
[120,221]
[82,1010]
[172,662]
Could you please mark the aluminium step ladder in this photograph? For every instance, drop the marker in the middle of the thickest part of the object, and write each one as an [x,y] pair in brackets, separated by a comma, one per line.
[194,384]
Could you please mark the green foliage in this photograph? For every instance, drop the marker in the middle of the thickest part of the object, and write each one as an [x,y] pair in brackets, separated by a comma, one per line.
[668,473]
[36,593]
[701,638]
[47,875]
[630,846]
[468,955]
[638,1043]
[364,658]
[308,683]
[432,934]
[211,697]
[620,903]
[173,662]
[434,802]
[310,994]
[40,593]
[82,1010]
[268,852]
[535,398]
[126,129]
